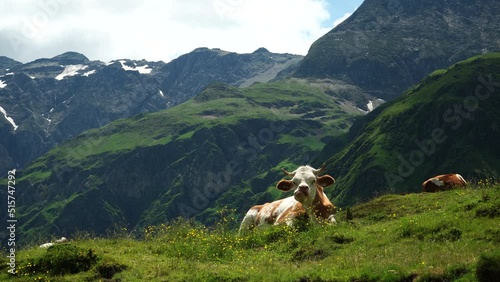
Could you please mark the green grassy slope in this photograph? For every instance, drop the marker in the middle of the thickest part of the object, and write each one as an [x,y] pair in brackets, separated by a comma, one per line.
[446,236]
[224,147]
[447,123]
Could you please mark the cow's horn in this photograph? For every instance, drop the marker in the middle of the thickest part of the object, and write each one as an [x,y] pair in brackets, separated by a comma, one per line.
[288,173]
[319,170]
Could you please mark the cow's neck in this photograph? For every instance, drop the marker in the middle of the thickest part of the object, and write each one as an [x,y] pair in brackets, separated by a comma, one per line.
[317,207]
[320,205]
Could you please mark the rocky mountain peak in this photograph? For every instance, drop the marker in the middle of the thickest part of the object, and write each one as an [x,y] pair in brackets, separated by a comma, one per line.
[261,50]
[7,63]
[386,45]
[71,58]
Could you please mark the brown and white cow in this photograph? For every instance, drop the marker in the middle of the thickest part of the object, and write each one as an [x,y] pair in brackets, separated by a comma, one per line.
[308,199]
[443,182]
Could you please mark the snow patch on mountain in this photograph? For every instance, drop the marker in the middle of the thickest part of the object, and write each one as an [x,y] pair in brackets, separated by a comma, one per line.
[70,70]
[9,119]
[87,74]
[141,69]
[370,106]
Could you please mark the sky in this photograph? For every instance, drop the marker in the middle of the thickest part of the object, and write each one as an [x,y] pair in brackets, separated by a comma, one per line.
[163,30]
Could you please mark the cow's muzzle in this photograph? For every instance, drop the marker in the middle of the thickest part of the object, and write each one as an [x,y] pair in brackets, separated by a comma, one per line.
[302,191]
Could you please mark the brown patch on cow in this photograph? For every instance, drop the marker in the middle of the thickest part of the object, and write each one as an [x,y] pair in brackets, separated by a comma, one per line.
[291,212]
[269,210]
[322,206]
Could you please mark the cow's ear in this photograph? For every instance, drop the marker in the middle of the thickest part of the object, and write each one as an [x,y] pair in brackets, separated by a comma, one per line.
[285,185]
[325,180]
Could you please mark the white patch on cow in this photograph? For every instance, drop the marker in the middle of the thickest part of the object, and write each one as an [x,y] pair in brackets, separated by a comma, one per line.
[437,181]
[287,203]
[461,178]
[304,176]
[252,213]
[249,220]
[331,219]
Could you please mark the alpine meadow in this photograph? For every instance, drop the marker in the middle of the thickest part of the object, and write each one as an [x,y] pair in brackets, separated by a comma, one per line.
[135,170]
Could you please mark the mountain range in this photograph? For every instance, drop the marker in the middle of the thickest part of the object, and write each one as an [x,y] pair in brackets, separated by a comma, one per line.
[49,101]
[195,142]
[223,147]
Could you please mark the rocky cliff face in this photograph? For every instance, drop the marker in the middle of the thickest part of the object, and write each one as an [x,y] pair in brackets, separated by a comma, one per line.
[48,101]
[388,45]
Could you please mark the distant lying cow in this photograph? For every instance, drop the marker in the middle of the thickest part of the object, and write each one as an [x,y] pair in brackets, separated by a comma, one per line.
[58,241]
[308,200]
[443,182]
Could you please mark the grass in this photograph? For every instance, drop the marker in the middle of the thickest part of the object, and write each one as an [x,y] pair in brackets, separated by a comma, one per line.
[444,236]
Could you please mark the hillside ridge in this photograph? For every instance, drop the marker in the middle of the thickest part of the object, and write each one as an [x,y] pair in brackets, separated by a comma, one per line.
[450,116]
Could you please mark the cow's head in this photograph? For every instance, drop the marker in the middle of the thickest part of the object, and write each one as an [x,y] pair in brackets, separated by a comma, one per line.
[306,183]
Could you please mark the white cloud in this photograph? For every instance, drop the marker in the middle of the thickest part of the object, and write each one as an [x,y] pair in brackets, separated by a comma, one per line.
[156,29]
[341,19]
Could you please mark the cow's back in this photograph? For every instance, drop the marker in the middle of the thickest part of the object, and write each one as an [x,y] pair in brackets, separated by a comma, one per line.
[271,213]
[443,182]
